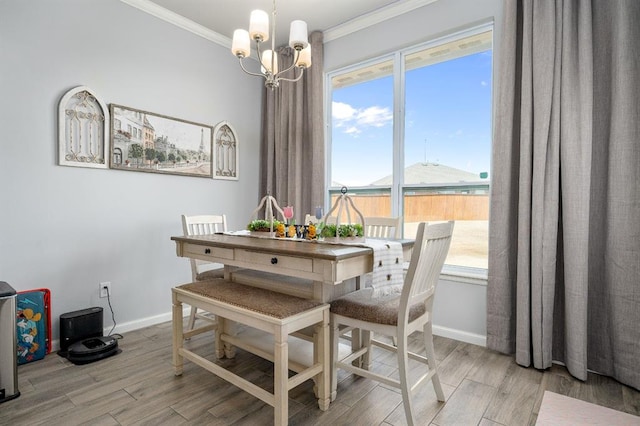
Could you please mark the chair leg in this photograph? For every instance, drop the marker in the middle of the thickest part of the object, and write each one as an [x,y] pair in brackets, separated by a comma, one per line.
[192,318]
[431,360]
[335,338]
[403,372]
[322,355]
[366,342]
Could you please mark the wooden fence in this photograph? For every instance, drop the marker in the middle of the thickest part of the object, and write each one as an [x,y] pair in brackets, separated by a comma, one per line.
[420,207]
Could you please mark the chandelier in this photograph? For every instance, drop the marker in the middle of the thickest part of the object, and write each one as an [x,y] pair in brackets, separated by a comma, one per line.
[268,59]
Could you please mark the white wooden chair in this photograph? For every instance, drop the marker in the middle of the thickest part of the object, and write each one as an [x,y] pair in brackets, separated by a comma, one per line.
[396,315]
[200,269]
[382,227]
[309,218]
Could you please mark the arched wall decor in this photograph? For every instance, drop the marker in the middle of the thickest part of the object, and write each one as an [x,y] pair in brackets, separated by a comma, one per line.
[83,129]
[225,151]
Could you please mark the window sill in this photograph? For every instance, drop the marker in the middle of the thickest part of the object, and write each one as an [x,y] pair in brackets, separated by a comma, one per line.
[463,274]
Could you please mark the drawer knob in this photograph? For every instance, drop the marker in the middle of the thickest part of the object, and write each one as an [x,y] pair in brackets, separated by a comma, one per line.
[274,260]
[207,251]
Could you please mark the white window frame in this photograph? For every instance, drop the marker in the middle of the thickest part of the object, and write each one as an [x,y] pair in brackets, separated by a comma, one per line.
[475,275]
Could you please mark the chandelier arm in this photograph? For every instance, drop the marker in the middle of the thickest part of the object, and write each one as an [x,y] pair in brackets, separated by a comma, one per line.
[258,52]
[255,74]
[293,79]
[293,64]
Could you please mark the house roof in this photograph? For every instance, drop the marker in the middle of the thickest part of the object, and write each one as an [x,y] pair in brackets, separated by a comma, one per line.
[430,173]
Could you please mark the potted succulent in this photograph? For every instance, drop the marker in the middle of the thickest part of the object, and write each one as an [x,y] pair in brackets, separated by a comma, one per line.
[351,232]
[262,228]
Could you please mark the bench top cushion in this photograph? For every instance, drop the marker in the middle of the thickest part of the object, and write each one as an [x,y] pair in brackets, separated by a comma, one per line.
[267,302]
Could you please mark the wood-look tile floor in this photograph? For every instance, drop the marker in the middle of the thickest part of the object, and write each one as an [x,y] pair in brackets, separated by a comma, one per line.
[137,386]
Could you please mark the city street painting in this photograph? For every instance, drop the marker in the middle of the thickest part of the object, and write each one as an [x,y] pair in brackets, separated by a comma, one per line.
[147,142]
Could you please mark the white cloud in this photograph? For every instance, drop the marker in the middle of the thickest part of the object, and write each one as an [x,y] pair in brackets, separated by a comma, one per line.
[483,83]
[342,113]
[374,116]
[355,120]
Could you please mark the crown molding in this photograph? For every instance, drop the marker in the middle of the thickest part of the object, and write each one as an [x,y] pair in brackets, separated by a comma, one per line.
[179,21]
[374,17]
[356,24]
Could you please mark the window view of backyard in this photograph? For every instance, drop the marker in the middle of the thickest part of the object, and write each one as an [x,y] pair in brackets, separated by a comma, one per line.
[435,148]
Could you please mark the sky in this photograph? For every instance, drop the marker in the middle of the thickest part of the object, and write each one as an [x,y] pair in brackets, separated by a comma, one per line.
[447,120]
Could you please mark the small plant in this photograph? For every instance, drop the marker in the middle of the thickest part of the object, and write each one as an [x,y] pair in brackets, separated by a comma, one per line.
[342,231]
[261,225]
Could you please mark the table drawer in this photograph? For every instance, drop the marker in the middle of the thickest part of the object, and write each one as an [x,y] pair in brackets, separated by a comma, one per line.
[275,260]
[206,253]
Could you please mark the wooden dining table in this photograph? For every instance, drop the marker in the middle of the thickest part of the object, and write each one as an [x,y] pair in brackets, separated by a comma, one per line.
[311,269]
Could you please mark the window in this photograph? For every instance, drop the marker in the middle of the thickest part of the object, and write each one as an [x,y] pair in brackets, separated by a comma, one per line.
[411,136]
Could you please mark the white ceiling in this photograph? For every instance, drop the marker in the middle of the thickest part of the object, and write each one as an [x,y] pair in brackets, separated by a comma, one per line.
[340,17]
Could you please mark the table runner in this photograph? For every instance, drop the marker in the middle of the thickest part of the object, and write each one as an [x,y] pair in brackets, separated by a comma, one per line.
[387,276]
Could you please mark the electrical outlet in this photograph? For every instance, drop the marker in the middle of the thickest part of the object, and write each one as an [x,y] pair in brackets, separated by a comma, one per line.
[105,289]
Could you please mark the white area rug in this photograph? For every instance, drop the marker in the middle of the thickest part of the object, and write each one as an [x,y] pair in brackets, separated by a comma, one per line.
[560,410]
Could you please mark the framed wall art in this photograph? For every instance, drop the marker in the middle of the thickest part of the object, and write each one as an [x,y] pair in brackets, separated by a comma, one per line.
[83,129]
[225,152]
[143,141]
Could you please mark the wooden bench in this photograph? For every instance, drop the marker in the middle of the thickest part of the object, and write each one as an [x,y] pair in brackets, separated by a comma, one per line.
[275,313]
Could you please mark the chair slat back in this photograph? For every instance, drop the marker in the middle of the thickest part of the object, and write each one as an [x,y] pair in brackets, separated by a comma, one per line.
[429,253]
[309,218]
[202,225]
[382,227]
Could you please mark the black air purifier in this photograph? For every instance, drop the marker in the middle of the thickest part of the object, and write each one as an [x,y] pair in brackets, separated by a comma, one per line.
[81,337]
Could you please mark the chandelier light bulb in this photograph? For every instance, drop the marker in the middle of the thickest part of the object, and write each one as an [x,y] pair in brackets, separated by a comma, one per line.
[270,61]
[240,46]
[298,35]
[304,57]
[259,25]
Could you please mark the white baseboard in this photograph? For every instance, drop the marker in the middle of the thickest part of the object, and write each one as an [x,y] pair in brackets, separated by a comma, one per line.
[463,336]
[451,333]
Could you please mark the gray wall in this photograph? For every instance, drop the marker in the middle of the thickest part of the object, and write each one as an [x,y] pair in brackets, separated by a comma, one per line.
[460,303]
[68,228]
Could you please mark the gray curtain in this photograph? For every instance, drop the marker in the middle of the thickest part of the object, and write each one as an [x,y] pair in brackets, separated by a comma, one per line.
[292,150]
[564,243]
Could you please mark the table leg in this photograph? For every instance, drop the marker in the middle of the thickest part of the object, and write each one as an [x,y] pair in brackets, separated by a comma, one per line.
[178,339]
[281,377]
